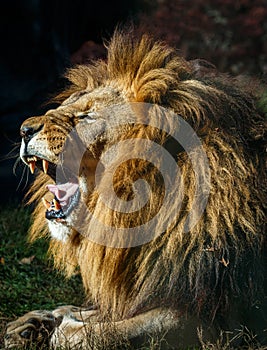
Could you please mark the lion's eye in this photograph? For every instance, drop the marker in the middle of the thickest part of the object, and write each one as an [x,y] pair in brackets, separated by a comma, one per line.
[90,117]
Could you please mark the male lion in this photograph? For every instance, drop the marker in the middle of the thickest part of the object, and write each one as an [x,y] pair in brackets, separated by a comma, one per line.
[201,263]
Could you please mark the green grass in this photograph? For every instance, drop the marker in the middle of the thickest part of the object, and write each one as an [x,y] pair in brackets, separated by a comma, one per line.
[29,285]
[36,285]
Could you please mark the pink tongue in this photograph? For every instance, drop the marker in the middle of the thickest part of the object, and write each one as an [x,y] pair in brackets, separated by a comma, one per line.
[63,192]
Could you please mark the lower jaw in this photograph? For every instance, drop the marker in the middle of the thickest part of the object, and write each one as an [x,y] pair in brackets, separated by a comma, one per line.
[60,213]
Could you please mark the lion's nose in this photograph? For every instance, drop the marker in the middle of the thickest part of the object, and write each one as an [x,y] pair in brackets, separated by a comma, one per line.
[28,131]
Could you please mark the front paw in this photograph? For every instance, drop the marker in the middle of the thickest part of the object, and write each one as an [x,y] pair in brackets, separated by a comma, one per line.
[35,327]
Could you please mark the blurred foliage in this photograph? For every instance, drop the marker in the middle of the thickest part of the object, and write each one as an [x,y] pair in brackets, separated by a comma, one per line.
[230,34]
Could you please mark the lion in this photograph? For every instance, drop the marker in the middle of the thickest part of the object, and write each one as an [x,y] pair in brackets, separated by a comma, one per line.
[202,263]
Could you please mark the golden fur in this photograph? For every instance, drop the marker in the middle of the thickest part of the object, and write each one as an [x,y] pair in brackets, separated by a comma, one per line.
[220,262]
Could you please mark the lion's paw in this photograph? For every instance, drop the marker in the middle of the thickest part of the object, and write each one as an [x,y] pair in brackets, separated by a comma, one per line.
[77,313]
[35,327]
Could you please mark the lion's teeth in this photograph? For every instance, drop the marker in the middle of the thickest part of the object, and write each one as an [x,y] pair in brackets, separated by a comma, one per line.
[56,204]
[32,166]
[45,165]
[46,204]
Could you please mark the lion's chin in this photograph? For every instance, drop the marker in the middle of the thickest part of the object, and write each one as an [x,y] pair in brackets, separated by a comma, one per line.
[62,221]
[64,211]
[59,230]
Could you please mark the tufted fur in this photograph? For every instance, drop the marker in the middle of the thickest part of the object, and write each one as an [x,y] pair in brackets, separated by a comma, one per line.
[217,269]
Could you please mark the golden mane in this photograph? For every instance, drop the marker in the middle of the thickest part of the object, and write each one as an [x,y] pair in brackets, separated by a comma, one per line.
[211,266]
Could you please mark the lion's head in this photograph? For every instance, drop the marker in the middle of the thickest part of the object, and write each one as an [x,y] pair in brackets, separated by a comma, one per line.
[203,269]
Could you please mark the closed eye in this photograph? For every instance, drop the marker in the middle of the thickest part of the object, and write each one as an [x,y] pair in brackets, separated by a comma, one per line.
[90,117]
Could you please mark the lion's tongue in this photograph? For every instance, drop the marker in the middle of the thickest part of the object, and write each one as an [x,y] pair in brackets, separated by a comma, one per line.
[63,192]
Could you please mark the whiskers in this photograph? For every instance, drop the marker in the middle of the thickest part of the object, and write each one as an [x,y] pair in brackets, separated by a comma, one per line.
[18,165]
[13,153]
[24,176]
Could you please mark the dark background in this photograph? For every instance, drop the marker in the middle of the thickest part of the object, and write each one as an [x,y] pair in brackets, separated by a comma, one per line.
[38,38]
[41,38]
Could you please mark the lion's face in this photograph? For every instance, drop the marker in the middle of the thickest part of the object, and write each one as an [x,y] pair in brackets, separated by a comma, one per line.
[44,146]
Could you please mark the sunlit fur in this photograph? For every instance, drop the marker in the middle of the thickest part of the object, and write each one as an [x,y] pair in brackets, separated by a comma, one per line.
[219,263]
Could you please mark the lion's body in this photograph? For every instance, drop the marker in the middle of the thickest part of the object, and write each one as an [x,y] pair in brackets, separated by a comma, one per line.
[214,272]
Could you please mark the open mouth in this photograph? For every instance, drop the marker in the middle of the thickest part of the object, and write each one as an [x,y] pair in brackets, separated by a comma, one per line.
[66,190]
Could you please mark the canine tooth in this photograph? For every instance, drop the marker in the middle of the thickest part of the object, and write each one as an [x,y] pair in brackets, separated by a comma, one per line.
[45,165]
[46,204]
[32,166]
[56,204]
[35,158]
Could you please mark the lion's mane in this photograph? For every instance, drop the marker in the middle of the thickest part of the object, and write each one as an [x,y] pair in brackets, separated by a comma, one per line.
[219,262]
